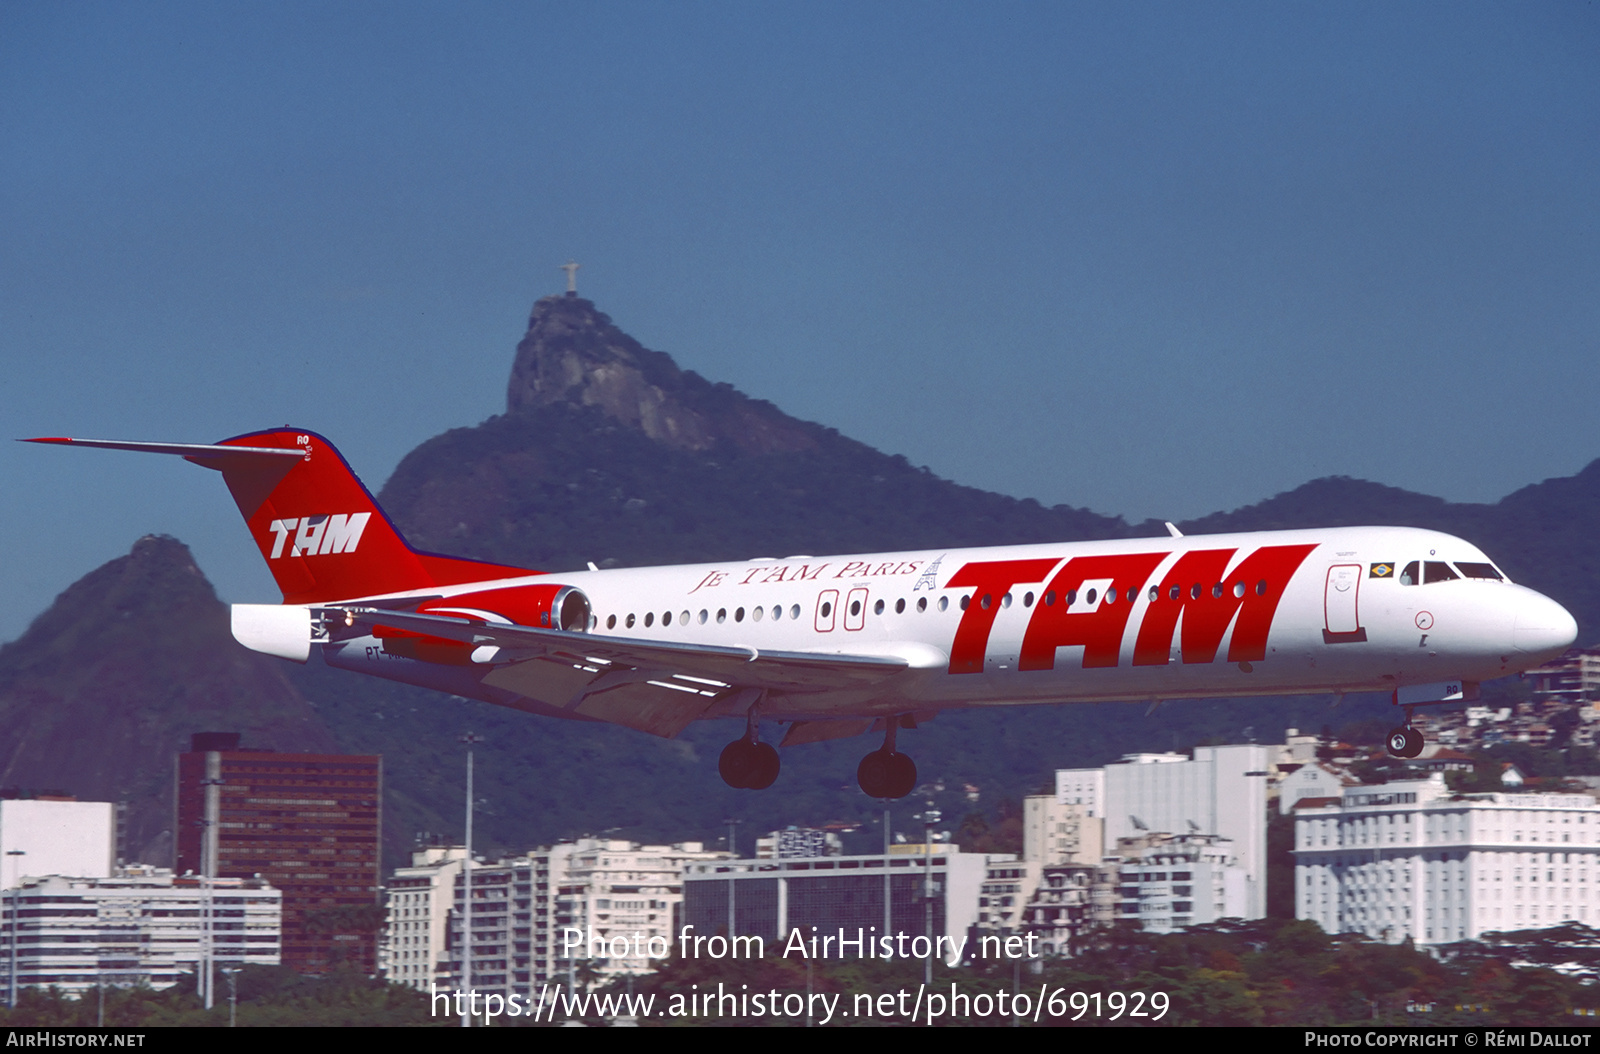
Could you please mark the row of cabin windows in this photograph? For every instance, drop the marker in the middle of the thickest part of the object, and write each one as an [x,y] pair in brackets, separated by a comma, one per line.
[1174,592]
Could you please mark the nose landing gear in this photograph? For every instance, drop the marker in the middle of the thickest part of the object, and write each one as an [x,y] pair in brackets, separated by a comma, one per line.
[1405,741]
[884,773]
[747,763]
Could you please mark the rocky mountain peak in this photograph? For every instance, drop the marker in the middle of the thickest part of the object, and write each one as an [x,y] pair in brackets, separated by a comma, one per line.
[573,354]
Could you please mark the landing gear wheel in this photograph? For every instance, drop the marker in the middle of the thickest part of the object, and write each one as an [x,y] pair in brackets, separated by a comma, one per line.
[885,774]
[873,775]
[766,766]
[737,763]
[902,775]
[749,766]
[1405,742]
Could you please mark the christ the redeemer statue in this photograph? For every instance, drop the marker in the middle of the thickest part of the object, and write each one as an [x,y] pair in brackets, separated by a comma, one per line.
[572,277]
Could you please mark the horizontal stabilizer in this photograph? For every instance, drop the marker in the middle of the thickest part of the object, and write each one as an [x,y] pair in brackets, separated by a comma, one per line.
[199,453]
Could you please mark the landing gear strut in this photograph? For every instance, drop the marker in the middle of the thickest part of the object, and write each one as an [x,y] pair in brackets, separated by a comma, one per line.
[747,763]
[1405,741]
[885,773]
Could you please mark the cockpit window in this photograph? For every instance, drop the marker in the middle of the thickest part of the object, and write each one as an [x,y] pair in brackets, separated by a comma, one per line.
[1479,571]
[1439,571]
[1410,576]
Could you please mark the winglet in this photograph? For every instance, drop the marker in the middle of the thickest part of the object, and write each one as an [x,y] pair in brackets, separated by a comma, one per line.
[1172,530]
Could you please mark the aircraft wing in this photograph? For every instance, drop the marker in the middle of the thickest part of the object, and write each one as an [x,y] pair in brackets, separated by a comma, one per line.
[651,685]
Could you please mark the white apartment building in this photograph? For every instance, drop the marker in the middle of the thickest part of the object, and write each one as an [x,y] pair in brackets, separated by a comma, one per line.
[1171,882]
[1220,791]
[419,898]
[1410,859]
[1054,832]
[622,889]
[1085,788]
[44,837]
[533,915]
[1008,888]
[141,926]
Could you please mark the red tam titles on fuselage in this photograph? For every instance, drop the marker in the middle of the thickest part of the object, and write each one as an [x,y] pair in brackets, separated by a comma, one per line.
[831,646]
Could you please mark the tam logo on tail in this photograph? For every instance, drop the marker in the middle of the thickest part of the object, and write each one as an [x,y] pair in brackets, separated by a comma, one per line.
[319,535]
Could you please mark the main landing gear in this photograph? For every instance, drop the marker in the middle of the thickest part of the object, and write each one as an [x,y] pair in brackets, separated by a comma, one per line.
[885,773]
[747,763]
[1405,741]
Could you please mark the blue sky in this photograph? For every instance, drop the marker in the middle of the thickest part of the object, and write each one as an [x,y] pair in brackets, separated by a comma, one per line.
[1153,259]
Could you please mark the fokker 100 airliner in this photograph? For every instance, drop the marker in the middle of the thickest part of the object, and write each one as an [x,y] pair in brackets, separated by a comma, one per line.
[833,646]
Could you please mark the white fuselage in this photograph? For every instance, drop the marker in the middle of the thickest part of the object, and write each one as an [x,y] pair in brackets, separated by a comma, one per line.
[1262,613]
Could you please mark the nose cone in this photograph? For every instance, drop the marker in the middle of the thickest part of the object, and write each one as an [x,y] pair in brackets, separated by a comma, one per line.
[1543,628]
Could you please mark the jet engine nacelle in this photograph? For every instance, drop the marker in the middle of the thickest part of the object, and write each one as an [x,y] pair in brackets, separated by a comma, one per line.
[274,629]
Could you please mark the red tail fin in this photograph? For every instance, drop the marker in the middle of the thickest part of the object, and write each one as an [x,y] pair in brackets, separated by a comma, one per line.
[320,530]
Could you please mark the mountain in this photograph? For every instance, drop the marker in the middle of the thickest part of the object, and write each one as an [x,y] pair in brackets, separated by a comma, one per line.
[611,453]
[106,686]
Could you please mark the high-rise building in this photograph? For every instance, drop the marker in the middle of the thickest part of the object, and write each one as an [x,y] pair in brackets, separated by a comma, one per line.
[419,902]
[1411,860]
[1057,833]
[309,824]
[1220,791]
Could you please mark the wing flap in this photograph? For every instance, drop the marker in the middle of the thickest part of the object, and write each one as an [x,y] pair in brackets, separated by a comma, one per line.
[746,667]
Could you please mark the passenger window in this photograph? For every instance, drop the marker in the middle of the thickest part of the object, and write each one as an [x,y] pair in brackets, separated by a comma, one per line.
[649,617]
[900,606]
[1438,571]
[1410,576]
[877,609]
[611,622]
[922,604]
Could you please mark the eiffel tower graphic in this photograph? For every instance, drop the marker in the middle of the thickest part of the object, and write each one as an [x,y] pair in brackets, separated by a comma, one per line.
[930,575]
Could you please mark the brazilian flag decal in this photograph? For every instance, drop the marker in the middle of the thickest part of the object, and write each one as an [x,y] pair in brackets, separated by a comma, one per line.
[1385,570]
